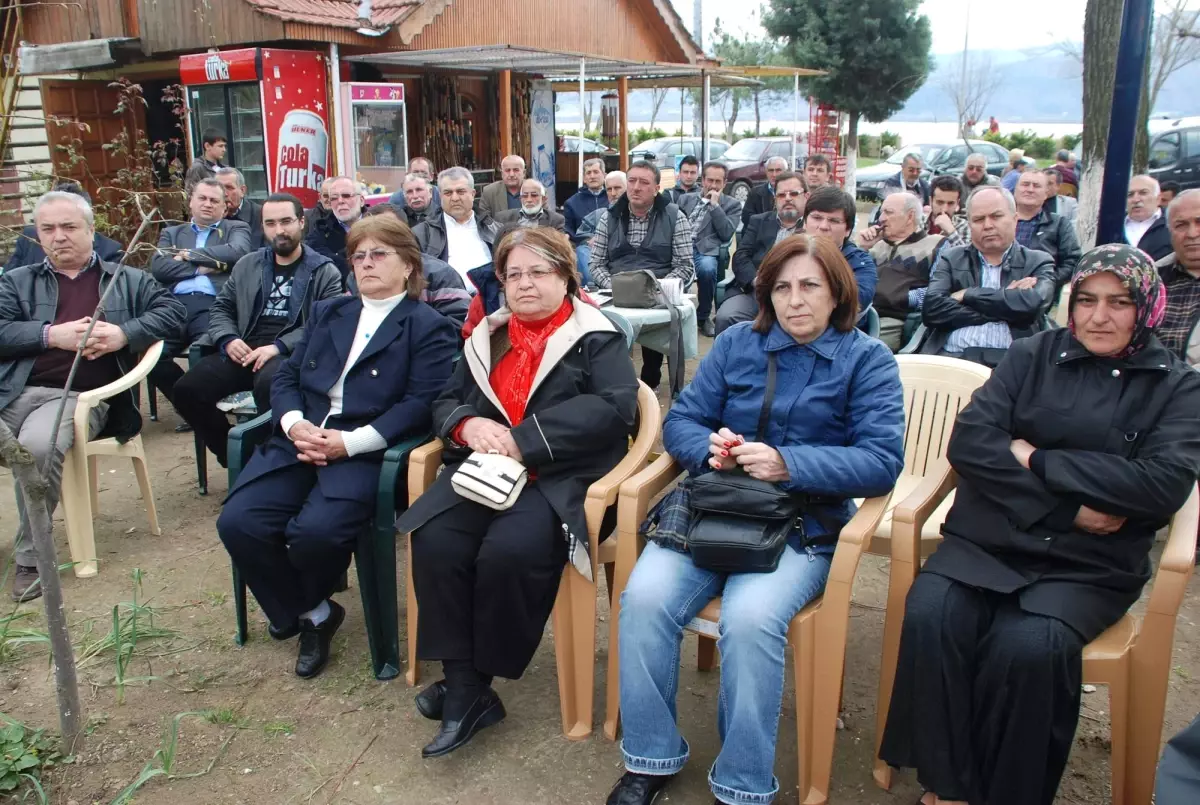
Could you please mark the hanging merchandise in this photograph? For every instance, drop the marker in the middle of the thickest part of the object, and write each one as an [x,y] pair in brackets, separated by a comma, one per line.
[824,137]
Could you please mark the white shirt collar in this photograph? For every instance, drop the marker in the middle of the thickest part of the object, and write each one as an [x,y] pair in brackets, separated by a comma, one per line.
[453,224]
[1134,230]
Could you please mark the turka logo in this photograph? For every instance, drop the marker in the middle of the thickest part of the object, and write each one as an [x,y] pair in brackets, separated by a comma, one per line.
[216,68]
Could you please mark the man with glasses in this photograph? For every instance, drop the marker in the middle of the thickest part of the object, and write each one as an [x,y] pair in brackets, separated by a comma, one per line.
[457,236]
[909,179]
[762,197]
[328,235]
[533,210]
[759,237]
[256,321]
[975,174]
[415,199]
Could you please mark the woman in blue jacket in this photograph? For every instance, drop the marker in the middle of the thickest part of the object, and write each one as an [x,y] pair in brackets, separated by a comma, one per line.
[835,432]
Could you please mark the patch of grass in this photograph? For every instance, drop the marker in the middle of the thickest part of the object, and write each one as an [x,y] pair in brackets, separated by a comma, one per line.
[216,598]
[222,716]
[1181,672]
[866,162]
[163,762]
[24,753]
[13,638]
[274,729]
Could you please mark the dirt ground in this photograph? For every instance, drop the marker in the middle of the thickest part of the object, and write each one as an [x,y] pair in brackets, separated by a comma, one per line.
[347,738]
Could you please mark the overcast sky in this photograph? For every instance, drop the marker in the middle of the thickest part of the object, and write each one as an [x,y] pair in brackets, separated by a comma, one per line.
[995,25]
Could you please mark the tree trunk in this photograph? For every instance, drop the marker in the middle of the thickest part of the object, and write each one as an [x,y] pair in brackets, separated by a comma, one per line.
[851,153]
[1101,35]
[757,116]
[733,116]
[33,487]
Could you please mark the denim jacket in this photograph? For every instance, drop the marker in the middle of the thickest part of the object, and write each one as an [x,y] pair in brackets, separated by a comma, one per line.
[837,418]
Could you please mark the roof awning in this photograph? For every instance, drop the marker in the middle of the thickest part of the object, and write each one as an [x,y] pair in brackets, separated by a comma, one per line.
[558,65]
[71,56]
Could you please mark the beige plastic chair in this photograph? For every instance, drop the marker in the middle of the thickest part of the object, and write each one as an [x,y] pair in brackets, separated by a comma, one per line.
[823,623]
[80,479]
[1062,312]
[935,390]
[574,614]
[1133,658]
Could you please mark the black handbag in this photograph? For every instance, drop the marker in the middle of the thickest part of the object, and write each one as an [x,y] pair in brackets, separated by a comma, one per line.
[741,524]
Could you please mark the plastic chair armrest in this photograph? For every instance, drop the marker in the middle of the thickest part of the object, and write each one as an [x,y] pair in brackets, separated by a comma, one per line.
[389,473]
[1177,563]
[422,467]
[920,504]
[854,537]
[243,439]
[89,399]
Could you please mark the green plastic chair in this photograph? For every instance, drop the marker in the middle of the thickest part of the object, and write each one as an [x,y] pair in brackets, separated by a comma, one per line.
[374,556]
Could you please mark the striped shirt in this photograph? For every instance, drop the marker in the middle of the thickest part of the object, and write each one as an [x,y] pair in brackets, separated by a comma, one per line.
[994,334]
[682,249]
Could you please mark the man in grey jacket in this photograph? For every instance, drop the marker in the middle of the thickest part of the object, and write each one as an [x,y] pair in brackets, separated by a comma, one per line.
[984,296]
[714,218]
[44,312]
[256,321]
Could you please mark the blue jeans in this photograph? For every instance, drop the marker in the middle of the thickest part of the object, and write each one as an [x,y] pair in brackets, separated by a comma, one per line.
[583,255]
[706,284]
[664,593]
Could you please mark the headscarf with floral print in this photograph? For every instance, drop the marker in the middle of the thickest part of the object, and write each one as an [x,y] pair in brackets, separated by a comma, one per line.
[1137,273]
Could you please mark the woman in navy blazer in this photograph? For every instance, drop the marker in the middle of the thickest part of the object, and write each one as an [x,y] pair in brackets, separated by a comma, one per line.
[364,377]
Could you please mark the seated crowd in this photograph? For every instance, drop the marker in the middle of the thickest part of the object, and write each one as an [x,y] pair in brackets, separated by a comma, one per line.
[357,327]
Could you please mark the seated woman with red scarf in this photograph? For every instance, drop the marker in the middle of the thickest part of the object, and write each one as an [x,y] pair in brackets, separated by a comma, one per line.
[549,383]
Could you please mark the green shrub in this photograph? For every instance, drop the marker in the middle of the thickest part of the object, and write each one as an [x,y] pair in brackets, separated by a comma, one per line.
[868,146]
[774,131]
[639,136]
[23,755]
[1042,147]
[889,138]
[1070,141]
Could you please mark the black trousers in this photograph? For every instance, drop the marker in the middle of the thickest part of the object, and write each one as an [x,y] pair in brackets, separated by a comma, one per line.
[290,542]
[166,373]
[986,698]
[212,379]
[652,364]
[486,582]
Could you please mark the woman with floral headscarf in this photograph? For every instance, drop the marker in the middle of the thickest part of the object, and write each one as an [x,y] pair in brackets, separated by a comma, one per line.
[1082,444]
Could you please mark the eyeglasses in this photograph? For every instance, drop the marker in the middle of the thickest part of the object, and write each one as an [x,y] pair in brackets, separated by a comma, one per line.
[342,196]
[376,255]
[789,194]
[534,273]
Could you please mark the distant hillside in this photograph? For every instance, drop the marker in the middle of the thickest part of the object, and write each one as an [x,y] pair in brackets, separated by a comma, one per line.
[1037,86]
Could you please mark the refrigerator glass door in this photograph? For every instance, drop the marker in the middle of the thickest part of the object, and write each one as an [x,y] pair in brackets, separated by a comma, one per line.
[208,112]
[248,146]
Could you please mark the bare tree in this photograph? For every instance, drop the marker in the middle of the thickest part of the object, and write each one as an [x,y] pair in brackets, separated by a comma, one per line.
[1101,32]
[589,110]
[1173,48]
[970,82]
[657,96]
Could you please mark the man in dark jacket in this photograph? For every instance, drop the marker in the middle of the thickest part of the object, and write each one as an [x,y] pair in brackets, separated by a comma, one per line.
[1145,225]
[256,321]
[984,296]
[212,145]
[830,212]
[44,312]
[909,179]
[458,236]
[533,212]
[759,237]
[1040,230]
[714,218]
[762,197]
[587,199]
[240,208]
[328,233]
[687,181]
[194,261]
[28,249]
[321,209]
[975,174]
[415,200]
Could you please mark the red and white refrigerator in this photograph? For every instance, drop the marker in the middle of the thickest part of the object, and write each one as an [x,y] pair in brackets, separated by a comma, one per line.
[273,107]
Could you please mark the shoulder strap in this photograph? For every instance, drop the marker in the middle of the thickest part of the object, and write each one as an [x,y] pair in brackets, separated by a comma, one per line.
[764,415]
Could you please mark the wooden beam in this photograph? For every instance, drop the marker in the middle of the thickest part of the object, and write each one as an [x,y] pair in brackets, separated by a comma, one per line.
[623,120]
[506,132]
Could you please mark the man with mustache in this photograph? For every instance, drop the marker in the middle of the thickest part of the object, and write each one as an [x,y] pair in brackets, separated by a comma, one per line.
[762,232]
[1145,224]
[256,321]
[533,211]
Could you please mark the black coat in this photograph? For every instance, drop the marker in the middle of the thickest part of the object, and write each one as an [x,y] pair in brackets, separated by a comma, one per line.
[760,200]
[1121,436]
[328,237]
[250,214]
[391,387]
[582,408]
[756,240]
[1157,240]
[1055,235]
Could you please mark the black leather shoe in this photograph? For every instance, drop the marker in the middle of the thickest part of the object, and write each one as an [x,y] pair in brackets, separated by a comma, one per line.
[638,789]
[183,427]
[708,329]
[430,700]
[315,641]
[486,710]
[284,633]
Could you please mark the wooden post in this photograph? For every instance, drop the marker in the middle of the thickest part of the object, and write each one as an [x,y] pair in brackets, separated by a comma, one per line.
[506,133]
[623,120]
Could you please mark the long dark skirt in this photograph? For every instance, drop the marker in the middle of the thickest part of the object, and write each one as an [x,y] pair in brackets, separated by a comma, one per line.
[986,698]
[486,582]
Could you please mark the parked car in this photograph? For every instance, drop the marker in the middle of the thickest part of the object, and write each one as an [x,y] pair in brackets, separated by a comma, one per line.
[747,162]
[937,158]
[1175,154]
[570,145]
[666,151]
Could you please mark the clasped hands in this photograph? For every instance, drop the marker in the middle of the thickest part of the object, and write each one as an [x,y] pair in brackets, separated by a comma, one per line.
[484,435]
[105,337]
[240,352]
[1086,519]
[315,445]
[760,461]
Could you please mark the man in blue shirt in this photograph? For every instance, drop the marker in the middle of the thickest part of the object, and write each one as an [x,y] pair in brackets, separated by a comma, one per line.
[587,199]
[194,260]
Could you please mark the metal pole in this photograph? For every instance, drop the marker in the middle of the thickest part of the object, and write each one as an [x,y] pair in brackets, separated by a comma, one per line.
[340,139]
[705,100]
[1132,52]
[795,117]
[582,133]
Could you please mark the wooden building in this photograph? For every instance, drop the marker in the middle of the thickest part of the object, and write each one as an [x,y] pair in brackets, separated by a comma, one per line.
[468,66]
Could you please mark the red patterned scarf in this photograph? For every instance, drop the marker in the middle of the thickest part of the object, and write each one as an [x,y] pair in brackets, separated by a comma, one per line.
[513,376]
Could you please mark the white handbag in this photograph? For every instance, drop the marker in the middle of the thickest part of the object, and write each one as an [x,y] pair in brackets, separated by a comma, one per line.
[491,479]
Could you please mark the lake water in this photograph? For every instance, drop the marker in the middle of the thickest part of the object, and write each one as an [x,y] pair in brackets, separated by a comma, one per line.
[910,132]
